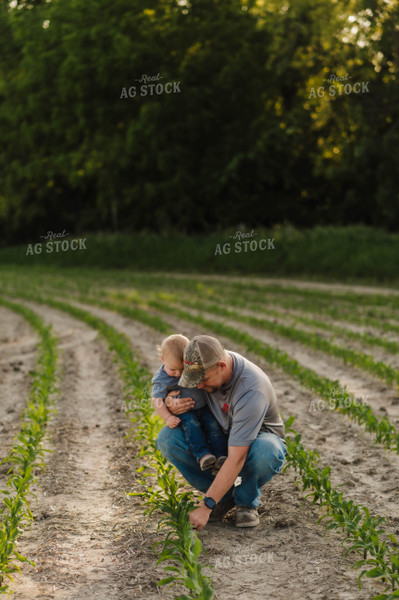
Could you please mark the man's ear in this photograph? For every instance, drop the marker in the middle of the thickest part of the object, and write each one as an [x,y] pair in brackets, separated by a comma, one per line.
[162,358]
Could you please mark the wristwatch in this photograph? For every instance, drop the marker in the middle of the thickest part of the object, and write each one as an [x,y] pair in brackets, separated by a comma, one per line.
[209,502]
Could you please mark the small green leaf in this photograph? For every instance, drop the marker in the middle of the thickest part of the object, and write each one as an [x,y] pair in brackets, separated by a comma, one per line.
[376,572]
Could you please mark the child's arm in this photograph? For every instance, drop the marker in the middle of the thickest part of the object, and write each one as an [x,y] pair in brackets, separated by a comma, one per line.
[162,411]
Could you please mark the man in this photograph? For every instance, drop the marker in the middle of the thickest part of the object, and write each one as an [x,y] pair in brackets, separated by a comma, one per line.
[244,403]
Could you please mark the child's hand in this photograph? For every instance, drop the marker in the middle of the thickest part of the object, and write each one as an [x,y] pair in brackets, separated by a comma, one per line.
[172,421]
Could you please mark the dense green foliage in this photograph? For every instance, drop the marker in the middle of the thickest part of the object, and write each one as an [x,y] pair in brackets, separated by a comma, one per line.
[345,253]
[245,139]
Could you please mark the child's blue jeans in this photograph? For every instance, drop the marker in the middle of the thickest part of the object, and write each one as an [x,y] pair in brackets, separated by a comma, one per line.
[203,433]
[265,459]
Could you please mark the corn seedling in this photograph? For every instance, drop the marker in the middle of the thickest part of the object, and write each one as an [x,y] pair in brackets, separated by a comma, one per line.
[27,452]
[181,544]
[364,533]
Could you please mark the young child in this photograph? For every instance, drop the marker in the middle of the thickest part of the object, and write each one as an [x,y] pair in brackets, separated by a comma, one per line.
[204,437]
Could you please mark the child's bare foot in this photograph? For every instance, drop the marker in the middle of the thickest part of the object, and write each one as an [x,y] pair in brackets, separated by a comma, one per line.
[172,421]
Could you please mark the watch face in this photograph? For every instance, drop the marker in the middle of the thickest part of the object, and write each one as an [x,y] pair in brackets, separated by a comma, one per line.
[209,502]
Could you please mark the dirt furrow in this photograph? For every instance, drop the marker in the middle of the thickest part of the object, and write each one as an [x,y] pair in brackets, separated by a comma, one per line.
[376,352]
[88,539]
[288,552]
[293,313]
[368,472]
[18,355]
[383,399]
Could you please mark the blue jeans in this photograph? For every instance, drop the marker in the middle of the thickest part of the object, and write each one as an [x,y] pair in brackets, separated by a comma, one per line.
[264,460]
[203,433]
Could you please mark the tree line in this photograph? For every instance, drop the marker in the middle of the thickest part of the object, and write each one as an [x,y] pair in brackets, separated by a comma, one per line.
[197,115]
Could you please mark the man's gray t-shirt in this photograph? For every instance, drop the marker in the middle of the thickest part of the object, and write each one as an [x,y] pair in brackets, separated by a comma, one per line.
[162,384]
[246,405]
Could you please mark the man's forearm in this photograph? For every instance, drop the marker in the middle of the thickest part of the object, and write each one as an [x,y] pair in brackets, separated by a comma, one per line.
[225,478]
[223,482]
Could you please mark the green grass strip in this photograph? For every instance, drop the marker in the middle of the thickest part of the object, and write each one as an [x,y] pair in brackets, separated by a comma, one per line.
[27,453]
[363,532]
[182,546]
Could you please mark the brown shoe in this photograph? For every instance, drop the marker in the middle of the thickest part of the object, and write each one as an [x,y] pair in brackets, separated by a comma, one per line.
[218,464]
[247,517]
[220,510]
[207,462]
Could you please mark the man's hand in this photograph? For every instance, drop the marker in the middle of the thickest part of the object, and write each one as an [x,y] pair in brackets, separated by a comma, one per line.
[199,516]
[177,406]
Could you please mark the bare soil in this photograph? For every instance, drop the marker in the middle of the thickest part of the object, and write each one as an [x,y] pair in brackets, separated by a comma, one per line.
[361,467]
[377,352]
[89,540]
[18,356]
[383,398]
[296,553]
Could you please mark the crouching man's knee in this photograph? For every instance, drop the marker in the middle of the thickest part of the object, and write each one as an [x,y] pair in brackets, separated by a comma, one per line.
[170,441]
[161,442]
